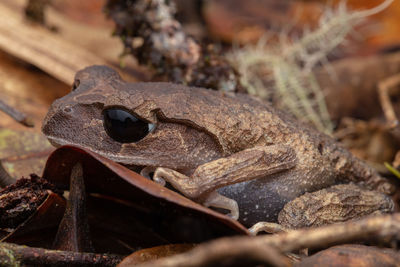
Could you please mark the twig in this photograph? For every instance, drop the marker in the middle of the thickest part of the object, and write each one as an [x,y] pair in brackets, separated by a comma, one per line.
[381,228]
[384,89]
[15,114]
[16,255]
[5,177]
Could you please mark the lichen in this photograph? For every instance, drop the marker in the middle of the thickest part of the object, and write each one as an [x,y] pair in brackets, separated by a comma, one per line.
[8,258]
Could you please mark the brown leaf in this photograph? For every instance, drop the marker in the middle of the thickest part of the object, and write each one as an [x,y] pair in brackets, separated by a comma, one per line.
[143,203]
[386,25]
[28,89]
[73,232]
[247,21]
[154,253]
[41,47]
[354,92]
[83,37]
[41,226]
[23,152]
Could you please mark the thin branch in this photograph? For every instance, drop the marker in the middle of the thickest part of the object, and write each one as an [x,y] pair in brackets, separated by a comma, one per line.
[378,228]
[15,114]
[385,90]
[16,255]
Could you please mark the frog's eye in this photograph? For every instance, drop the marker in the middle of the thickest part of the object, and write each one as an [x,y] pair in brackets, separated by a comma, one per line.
[124,127]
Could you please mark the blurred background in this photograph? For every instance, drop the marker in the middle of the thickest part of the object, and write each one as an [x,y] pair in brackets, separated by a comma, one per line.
[44,42]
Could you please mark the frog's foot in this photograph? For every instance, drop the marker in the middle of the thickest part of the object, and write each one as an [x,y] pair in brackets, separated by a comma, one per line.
[268,227]
[145,172]
[216,200]
[179,181]
[188,187]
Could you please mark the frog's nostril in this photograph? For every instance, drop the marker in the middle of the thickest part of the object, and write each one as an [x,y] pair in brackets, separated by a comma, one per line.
[67,110]
[76,84]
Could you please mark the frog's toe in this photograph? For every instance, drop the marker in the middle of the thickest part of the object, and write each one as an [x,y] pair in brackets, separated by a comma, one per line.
[268,227]
[146,171]
[216,200]
[159,181]
[234,215]
[157,174]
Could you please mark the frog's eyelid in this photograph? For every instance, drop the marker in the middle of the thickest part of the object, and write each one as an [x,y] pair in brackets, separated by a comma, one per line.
[131,112]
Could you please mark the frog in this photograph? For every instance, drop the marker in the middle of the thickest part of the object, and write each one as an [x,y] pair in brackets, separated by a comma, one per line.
[232,152]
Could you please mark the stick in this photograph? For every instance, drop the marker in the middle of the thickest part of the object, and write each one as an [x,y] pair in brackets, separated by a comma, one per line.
[381,228]
[15,114]
[16,255]
[384,90]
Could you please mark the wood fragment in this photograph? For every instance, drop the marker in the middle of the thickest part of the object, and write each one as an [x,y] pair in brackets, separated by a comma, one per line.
[41,47]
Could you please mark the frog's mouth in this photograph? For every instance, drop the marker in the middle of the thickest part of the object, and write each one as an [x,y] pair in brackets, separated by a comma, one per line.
[144,170]
[140,162]
[56,142]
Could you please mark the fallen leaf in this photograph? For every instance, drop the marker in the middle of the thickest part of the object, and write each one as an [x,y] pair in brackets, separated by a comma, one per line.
[41,47]
[134,205]
[73,232]
[41,225]
[154,253]
[23,152]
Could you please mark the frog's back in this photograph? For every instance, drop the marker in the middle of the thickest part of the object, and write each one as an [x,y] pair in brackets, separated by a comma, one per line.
[237,121]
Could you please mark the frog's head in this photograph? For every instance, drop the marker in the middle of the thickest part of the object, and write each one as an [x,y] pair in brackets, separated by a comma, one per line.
[124,122]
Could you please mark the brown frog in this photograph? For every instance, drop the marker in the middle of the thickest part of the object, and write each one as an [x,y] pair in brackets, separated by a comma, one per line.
[227,151]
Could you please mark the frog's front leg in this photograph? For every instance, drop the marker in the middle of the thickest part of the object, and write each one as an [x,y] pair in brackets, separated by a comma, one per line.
[242,166]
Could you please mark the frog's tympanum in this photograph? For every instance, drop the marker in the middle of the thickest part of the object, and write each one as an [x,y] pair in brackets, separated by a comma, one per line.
[227,151]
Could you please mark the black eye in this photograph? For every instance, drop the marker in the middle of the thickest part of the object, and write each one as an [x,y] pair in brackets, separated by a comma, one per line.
[123,127]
